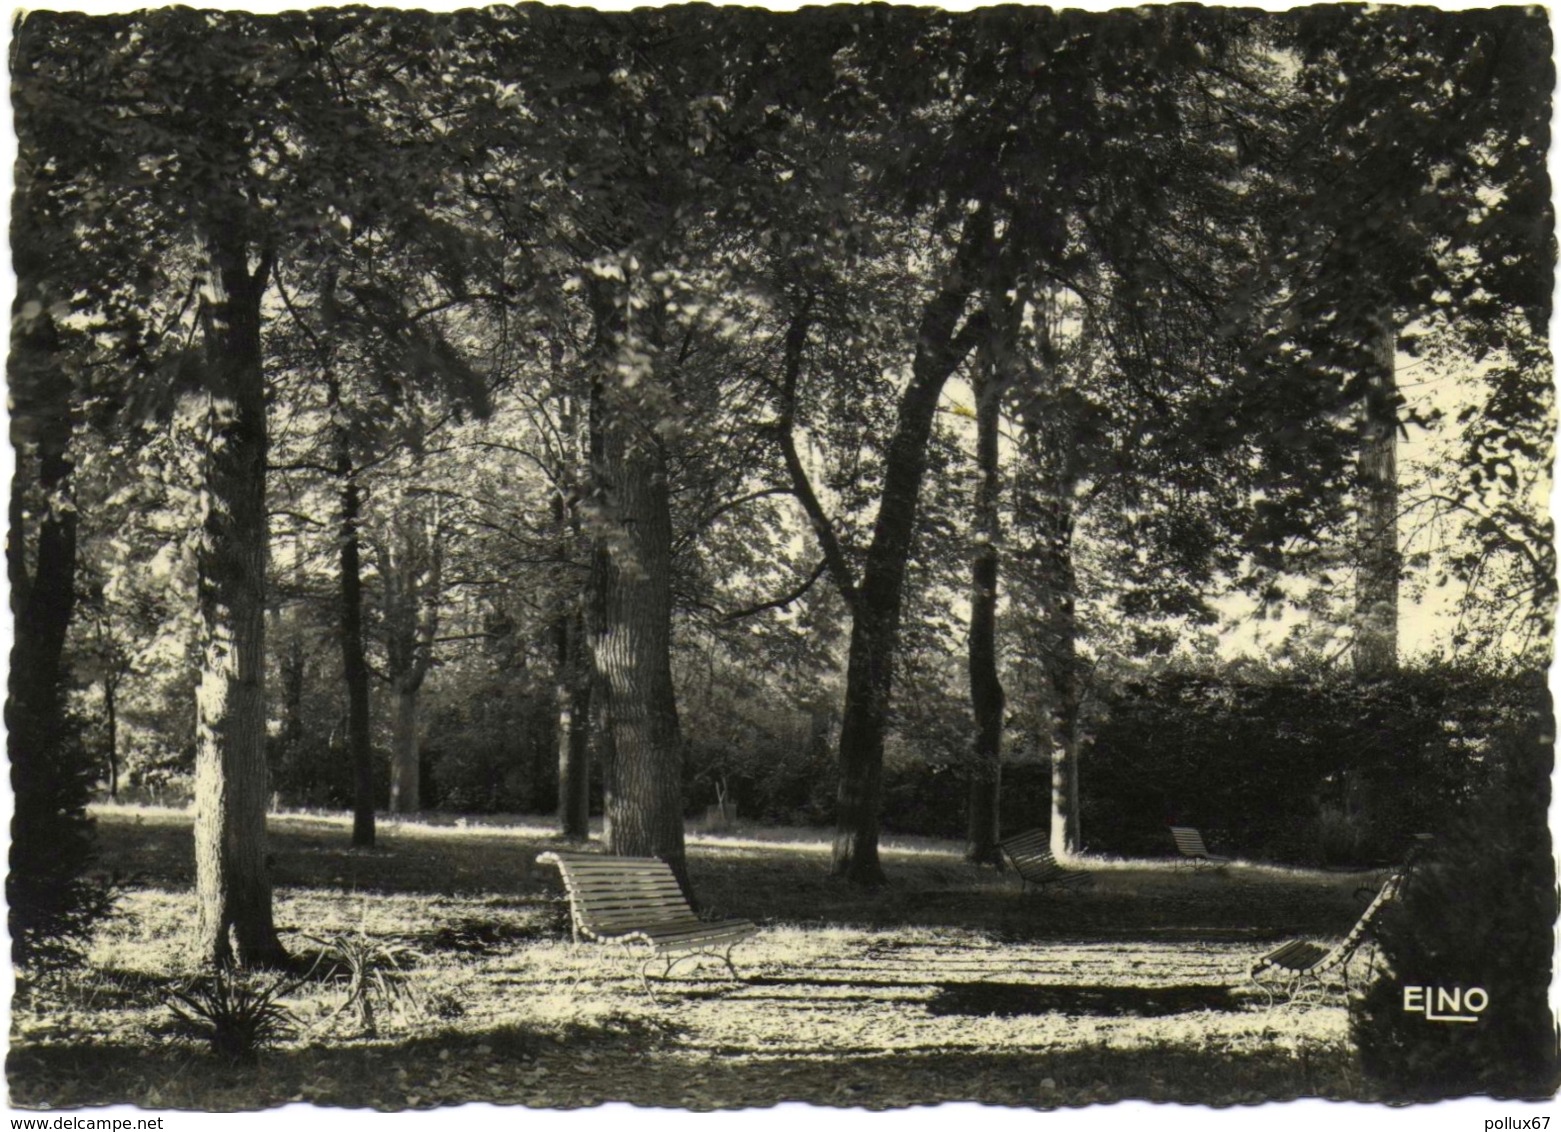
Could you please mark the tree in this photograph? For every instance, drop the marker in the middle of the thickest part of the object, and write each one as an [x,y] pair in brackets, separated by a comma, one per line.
[411,562]
[1052,200]
[986,688]
[231,139]
[1410,208]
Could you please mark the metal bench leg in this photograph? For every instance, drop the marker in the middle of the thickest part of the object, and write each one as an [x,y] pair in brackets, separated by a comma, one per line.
[645,981]
[727,959]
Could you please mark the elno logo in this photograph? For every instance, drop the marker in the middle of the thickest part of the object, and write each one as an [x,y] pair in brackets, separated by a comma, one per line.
[1446,1004]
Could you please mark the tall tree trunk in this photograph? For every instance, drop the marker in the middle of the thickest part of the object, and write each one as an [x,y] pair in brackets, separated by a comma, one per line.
[291,670]
[354,658]
[1057,646]
[43,601]
[111,719]
[354,662]
[986,688]
[573,701]
[52,838]
[631,643]
[411,571]
[875,625]
[572,682]
[1375,651]
[233,886]
[405,776]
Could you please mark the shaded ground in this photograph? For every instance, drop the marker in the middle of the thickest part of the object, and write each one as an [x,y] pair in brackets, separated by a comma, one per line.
[948,985]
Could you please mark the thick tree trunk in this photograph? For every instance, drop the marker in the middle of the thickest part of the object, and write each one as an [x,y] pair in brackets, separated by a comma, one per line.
[43,601]
[875,624]
[52,838]
[405,776]
[411,571]
[233,887]
[573,699]
[986,689]
[354,663]
[631,641]
[1376,588]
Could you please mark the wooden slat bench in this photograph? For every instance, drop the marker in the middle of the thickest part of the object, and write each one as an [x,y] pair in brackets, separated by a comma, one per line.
[1189,843]
[636,901]
[1300,963]
[1032,859]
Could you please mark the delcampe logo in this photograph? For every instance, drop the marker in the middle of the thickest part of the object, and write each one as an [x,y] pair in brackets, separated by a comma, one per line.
[1446,1004]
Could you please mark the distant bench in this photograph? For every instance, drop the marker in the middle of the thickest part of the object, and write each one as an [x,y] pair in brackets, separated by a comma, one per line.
[1189,843]
[637,900]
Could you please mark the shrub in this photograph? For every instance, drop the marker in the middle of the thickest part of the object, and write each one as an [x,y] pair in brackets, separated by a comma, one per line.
[1480,912]
[235,1013]
[1340,835]
[370,973]
[1253,758]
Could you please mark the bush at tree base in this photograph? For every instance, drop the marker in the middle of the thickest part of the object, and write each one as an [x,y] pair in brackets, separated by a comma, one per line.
[52,903]
[1480,912]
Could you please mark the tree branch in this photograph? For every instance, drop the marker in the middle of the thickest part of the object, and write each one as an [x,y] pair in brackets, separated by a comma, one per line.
[783,600]
[802,487]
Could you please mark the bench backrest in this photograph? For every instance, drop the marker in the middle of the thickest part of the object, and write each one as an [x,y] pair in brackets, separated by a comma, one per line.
[1363,925]
[611,895]
[1189,841]
[1031,854]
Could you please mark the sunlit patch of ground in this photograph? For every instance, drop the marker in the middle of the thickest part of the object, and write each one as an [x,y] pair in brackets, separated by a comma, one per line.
[950,984]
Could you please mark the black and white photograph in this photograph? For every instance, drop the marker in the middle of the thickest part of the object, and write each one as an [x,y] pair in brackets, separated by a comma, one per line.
[859,557]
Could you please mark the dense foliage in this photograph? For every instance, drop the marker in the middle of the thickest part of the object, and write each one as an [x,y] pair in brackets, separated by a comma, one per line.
[1301,767]
[536,408]
[1481,912]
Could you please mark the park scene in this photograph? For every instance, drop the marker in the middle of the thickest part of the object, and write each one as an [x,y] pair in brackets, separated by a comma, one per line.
[707,557]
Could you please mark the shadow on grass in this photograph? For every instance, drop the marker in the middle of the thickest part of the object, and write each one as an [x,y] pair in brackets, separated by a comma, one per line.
[448,1067]
[1010,1000]
[472,936]
[647,1065]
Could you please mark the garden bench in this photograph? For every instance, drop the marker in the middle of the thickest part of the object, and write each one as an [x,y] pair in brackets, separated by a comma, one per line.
[1189,842]
[636,901]
[1032,859]
[1301,963]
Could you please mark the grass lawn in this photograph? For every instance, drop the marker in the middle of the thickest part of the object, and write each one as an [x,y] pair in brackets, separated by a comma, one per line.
[950,984]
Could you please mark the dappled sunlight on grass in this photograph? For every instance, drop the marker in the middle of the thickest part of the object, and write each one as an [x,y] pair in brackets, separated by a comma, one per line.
[950,983]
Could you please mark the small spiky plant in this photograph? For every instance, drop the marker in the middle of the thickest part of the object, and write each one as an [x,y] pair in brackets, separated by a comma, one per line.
[371,973]
[236,1014]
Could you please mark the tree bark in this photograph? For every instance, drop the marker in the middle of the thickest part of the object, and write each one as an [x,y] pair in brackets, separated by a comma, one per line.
[43,600]
[572,678]
[940,347]
[573,701]
[986,688]
[233,887]
[631,642]
[405,779]
[1375,652]
[290,668]
[354,663]
[1057,646]
[411,570]
[111,719]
